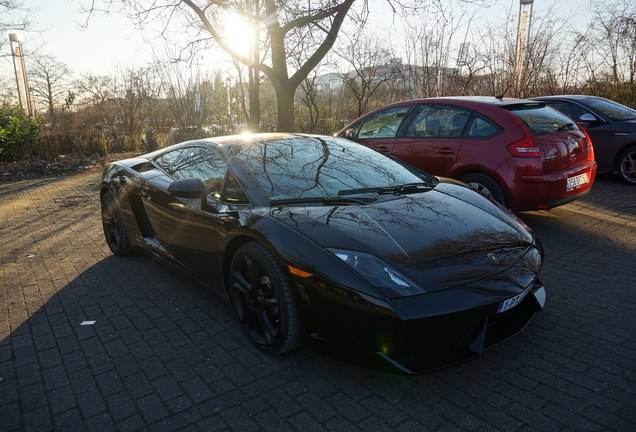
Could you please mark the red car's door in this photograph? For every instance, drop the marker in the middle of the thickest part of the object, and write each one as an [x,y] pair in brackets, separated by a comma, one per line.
[432,137]
[434,155]
[378,131]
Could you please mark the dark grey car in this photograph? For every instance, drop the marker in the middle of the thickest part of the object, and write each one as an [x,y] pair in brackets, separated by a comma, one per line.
[611,126]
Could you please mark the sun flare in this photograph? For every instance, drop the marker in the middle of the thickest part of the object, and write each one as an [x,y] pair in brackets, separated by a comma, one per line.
[239,33]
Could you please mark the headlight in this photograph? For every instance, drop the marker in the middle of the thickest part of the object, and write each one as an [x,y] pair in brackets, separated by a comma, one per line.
[379,274]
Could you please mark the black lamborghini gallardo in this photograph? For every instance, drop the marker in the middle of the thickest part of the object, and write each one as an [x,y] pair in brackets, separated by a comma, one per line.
[319,236]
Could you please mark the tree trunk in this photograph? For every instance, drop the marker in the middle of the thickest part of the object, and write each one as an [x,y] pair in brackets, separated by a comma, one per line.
[255,105]
[285,103]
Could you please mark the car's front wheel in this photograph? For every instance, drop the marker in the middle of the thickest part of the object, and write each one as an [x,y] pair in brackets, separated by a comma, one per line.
[263,299]
[626,165]
[487,186]
[113,225]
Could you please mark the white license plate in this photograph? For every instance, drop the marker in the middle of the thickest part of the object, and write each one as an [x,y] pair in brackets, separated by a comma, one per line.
[576,181]
[512,302]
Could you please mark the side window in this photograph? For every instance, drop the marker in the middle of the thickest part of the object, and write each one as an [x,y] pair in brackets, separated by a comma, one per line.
[198,162]
[384,124]
[167,161]
[573,111]
[438,121]
[482,128]
[233,192]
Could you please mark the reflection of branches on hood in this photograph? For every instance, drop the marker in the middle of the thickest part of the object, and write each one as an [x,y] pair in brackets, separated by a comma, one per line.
[507,244]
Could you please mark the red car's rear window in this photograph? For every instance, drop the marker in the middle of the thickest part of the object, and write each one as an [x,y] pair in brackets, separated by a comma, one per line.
[542,120]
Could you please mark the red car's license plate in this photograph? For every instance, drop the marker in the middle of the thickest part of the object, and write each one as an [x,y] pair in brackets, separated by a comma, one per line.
[576,181]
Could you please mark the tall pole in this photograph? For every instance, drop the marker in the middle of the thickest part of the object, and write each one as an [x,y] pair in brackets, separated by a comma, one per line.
[523,30]
[24,96]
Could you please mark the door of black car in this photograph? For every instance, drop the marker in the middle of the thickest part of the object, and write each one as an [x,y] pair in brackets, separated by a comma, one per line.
[187,227]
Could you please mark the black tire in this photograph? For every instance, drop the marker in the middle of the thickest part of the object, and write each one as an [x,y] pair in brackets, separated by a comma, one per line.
[487,186]
[115,232]
[263,299]
[626,165]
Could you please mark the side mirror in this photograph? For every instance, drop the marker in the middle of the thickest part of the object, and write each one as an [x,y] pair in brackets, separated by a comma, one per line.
[350,134]
[187,188]
[588,118]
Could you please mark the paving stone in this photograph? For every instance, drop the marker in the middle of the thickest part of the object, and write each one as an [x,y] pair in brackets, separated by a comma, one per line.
[120,406]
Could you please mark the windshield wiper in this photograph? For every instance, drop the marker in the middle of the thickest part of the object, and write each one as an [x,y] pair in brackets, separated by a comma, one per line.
[407,188]
[322,200]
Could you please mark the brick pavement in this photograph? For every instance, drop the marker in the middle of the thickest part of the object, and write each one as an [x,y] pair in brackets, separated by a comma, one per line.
[164,353]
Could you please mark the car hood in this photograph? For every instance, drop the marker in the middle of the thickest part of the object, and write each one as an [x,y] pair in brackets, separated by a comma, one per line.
[441,238]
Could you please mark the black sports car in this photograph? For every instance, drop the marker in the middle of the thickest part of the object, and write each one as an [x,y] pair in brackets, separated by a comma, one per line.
[319,236]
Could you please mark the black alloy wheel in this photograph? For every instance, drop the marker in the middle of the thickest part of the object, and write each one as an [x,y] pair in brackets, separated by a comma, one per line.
[487,186]
[263,299]
[626,165]
[113,225]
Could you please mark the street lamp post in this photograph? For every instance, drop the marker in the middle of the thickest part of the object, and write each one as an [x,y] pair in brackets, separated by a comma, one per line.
[24,96]
[523,31]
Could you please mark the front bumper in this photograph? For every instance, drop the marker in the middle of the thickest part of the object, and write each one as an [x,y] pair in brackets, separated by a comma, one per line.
[458,339]
[415,335]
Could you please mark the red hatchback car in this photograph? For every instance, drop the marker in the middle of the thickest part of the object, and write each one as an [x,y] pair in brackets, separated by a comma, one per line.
[521,153]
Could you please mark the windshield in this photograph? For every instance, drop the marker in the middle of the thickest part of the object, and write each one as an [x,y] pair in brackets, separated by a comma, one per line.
[543,120]
[319,167]
[611,109]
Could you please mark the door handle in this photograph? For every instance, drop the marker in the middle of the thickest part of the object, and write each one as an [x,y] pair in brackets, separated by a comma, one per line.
[446,151]
[384,149]
[177,206]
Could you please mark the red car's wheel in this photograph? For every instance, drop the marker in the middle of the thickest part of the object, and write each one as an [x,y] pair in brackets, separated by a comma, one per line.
[487,186]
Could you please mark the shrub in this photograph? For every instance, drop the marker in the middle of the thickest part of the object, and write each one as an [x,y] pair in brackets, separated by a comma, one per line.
[149,139]
[18,133]
[177,135]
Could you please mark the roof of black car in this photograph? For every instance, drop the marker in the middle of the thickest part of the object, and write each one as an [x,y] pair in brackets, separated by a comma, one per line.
[503,101]
[579,97]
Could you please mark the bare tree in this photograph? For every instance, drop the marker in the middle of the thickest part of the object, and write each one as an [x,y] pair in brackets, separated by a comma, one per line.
[13,16]
[50,80]
[370,66]
[612,41]
[187,92]
[542,52]
[429,46]
[133,90]
[310,98]
[283,24]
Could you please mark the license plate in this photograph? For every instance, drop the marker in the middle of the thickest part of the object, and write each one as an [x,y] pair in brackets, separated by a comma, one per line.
[512,302]
[576,181]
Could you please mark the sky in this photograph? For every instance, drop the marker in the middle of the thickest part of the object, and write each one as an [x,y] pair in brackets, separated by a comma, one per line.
[112,42]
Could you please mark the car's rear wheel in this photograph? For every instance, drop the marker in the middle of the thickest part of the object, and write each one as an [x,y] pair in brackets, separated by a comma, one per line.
[626,165]
[487,186]
[263,299]
[113,225]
